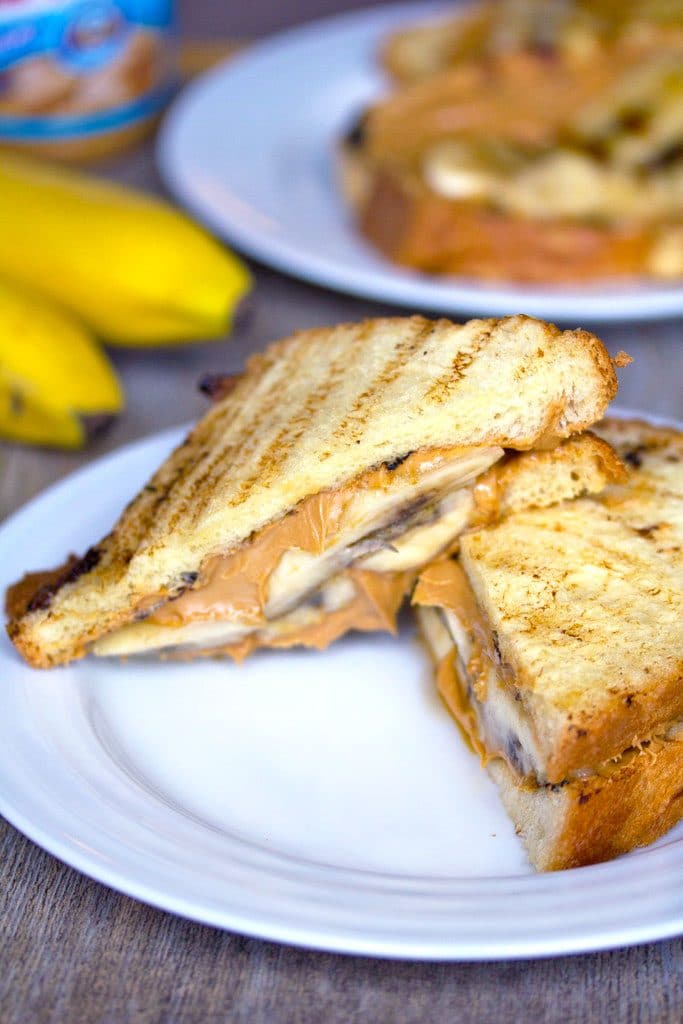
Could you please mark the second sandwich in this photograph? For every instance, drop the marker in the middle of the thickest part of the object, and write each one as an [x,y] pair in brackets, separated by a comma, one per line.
[558,641]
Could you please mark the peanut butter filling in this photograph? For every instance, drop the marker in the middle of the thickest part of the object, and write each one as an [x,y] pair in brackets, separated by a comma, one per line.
[355,599]
[444,585]
[374,606]
[235,585]
[459,706]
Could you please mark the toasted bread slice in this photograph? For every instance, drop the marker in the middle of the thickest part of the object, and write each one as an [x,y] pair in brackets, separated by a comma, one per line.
[558,636]
[651,500]
[563,591]
[626,802]
[366,409]
[417,228]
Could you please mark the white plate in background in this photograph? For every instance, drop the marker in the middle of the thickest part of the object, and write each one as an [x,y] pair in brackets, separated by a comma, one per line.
[323,799]
[249,148]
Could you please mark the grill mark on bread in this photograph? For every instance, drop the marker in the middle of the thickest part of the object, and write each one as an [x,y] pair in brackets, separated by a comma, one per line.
[270,460]
[124,540]
[356,419]
[617,564]
[442,387]
[211,466]
[357,406]
[172,484]
[256,406]
[313,408]
[267,463]
[406,347]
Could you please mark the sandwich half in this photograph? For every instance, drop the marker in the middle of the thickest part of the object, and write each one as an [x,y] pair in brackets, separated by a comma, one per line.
[547,147]
[324,477]
[557,635]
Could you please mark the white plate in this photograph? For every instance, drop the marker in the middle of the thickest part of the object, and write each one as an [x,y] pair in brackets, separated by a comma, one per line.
[320,799]
[249,148]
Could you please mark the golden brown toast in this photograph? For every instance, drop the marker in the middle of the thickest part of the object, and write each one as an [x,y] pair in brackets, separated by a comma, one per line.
[564,591]
[417,228]
[651,500]
[316,427]
[637,799]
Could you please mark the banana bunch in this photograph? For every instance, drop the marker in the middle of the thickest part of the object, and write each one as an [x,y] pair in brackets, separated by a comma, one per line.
[54,377]
[82,259]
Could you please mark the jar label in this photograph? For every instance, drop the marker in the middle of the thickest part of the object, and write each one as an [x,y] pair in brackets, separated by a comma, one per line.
[75,69]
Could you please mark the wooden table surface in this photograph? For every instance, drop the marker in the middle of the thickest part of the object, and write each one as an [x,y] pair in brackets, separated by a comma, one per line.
[72,950]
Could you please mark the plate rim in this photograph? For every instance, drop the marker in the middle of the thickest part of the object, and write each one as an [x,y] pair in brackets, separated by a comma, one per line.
[122,878]
[609,302]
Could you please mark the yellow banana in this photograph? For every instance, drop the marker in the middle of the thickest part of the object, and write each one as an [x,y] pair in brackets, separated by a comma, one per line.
[133,268]
[53,375]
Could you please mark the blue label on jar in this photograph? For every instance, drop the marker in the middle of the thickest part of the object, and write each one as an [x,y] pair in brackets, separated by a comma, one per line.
[94,36]
[77,68]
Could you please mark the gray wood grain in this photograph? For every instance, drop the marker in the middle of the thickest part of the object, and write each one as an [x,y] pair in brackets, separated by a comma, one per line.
[74,951]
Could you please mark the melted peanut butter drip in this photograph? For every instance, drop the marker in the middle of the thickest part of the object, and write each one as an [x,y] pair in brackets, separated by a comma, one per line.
[444,585]
[457,703]
[374,606]
[234,585]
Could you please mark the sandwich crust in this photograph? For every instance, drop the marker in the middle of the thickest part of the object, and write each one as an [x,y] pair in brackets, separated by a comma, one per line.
[602,816]
[584,464]
[418,228]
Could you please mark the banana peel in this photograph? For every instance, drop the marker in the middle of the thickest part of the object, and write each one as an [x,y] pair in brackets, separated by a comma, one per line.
[55,380]
[131,267]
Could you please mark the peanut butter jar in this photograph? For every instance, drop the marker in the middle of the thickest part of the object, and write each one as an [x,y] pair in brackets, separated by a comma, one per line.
[84,78]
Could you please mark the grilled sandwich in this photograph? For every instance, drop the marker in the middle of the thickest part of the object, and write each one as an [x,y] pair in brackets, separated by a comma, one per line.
[324,477]
[557,636]
[544,148]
